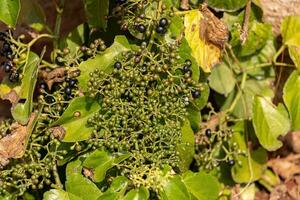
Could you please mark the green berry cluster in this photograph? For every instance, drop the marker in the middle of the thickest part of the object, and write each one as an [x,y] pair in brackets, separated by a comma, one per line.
[144,103]
[5,127]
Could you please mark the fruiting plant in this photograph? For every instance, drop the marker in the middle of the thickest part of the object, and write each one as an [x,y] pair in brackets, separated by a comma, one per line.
[158,99]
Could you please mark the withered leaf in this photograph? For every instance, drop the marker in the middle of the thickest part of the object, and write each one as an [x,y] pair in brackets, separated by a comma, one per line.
[55,76]
[212,29]
[14,144]
[58,132]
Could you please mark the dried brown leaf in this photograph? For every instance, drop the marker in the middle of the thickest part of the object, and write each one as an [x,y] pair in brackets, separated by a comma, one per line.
[58,132]
[14,144]
[286,167]
[55,76]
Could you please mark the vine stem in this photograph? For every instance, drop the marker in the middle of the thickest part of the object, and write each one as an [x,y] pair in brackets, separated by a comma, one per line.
[59,10]
[239,94]
[56,177]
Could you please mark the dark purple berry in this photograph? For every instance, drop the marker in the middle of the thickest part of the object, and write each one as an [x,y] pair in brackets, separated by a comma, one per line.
[231,162]
[43,86]
[163,22]
[68,90]
[72,82]
[185,69]
[196,94]
[141,28]
[118,65]
[7,67]
[208,132]
[160,30]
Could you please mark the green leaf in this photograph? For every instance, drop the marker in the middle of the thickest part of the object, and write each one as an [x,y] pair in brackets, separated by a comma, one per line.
[22,111]
[185,53]
[268,123]
[202,100]
[203,186]
[194,117]
[80,186]
[186,148]
[74,39]
[258,35]
[290,33]
[9,11]
[242,172]
[290,30]
[75,127]
[55,194]
[228,5]
[291,97]
[103,61]
[32,14]
[96,12]
[137,194]
[116,190]
[174,189]
[101,161]
[222,79]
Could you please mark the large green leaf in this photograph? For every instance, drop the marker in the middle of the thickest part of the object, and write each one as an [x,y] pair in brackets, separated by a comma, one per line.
[96,12]
[258,35]
[137,194]
[228,5]
[174,189]
[55,194]
[101,161]
[74,119]
[22,111]
[32,14]
[291,37]
[194,116]
[116,190]
[291,97]
[250,168]
[222,79]
[203,186]
[78,185]
[186,148]
[9,11]
[268,123]
[103,61]
[185,53]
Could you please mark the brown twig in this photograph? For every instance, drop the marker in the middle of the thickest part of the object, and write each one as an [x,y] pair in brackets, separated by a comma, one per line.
[244,33]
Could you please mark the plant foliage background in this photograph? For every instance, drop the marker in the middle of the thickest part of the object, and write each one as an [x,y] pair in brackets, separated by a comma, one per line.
[148,99]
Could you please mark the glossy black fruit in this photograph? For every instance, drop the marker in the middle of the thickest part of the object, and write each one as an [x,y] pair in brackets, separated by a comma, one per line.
[141,28]
[160,29]
[208,132]
[196,94]
[163,22]
[68,90]
[118,65]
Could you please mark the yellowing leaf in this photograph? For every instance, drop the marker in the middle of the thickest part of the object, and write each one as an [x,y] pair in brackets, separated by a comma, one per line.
[206,54]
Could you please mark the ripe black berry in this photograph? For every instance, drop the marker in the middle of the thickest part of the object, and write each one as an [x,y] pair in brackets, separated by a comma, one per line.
[13,77]
[68,90]
[43,86]
[196,94]
[163,22]
[208,132]
[118,65]
[72,82]
[6,47]
[3,36]
[141,28]
[185,69]
[231,162]
[160,29]
[7,67]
